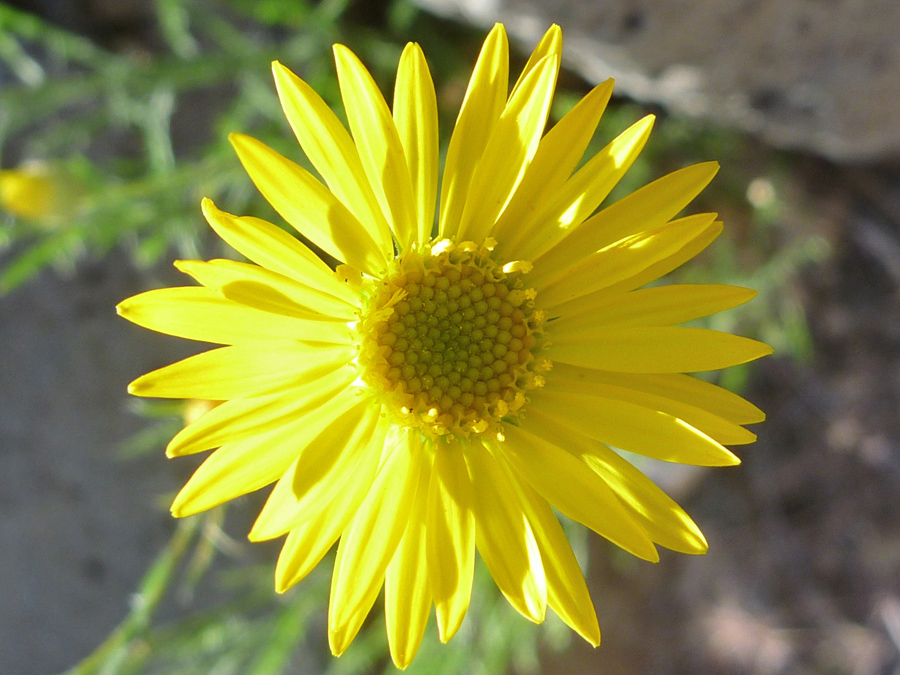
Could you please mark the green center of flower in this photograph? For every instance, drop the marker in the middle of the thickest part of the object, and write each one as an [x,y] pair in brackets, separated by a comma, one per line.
[449,336]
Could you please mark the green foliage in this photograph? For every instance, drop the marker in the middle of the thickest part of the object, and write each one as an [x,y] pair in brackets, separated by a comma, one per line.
[135,132]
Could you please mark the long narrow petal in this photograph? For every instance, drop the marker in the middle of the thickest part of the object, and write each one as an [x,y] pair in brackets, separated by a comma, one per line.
[243,417]
[450,544]
[261,288]
[657,306]
[481,108]
[197,313]
[248,369]
[407,593]
[319,473]
[276,250]
[556,157]
[504,537]
[581,194]
[630,427]
[683,389]
[310,540]
[331,150]
[656,350]
[241,467]
[658,269]
[568,484]
[310,207]
[644,209]
[616,262]
[371,539]
[511,145]
[567,592]
[550,45]
[378,144]
[599,383]
[664,521]
[416,117]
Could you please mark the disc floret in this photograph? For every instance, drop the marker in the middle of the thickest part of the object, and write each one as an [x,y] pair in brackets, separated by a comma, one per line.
[449,337]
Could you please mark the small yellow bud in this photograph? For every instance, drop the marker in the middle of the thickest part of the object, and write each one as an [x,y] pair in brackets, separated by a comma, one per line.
[39,193]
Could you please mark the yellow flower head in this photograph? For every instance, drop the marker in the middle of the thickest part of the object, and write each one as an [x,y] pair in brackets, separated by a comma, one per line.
[435,395]
[37,192]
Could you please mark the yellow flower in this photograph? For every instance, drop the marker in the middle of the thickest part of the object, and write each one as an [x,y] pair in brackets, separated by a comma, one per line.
[38,192]
[437,395]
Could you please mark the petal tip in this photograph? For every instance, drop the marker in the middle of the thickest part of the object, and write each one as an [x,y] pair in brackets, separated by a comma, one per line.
[282,75]
[712,166]
[401,661]
[337,642]
[447,626]
[136,387]
[238,140]
[591,634]
[341,51]
[174,449]
[730,459]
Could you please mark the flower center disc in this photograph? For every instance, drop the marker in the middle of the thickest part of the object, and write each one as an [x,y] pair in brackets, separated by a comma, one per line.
[448,337]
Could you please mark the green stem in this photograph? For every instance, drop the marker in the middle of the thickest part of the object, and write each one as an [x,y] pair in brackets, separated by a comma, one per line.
[108,658]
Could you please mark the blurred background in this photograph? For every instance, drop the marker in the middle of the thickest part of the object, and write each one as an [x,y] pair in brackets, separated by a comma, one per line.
[114,117]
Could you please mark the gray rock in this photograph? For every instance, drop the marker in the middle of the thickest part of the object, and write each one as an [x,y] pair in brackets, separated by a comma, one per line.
[815,75]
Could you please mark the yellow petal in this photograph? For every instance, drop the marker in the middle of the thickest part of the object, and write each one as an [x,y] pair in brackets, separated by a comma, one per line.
[200,314]
[657,306]
[276,250]
[665,265]
[331,150]
[371,539]
[243,417]
[666,522]
[655,350]
[629,427]
[569,485]
[616,262]
[642,210]
[241,467]
[320,472]
[550,45]
[567,592]
[378,144]
[555,159]
[607,385]
[662,519]
[310,207]
[581,194]
[450,545]
[272,292]
[248,369]
[407,595]
[504,537]
[310,540]
[481,108]
[681,388]
[511,145]
[416,117]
